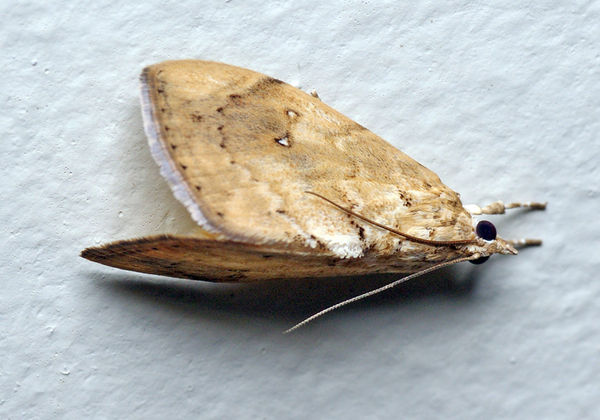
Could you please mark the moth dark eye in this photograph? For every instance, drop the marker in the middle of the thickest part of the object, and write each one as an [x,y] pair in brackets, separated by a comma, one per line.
[479,260]
[486,230]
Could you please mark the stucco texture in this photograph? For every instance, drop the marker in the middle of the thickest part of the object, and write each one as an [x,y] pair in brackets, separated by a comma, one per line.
[502,101]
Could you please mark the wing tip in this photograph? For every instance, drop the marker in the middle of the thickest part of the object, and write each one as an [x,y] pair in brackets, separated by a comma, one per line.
[110,250]
[94,254]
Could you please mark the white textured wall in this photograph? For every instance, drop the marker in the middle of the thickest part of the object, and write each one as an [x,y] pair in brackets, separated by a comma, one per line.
[502,101]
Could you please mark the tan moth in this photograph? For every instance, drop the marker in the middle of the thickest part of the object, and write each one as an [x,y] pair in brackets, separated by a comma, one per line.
[283,186]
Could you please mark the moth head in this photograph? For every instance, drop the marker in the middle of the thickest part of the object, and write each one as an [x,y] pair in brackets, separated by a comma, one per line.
[489,243]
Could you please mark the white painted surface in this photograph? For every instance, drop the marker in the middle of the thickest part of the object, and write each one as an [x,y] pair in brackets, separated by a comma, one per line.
[501,101]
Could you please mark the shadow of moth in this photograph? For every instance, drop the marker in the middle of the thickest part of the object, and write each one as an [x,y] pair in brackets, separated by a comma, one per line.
[283,186]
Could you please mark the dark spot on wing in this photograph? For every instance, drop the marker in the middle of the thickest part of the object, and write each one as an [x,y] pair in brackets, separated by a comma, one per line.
[223,138]
[264,84]
[236,99]
[196,117]
[405,198]
[361,233]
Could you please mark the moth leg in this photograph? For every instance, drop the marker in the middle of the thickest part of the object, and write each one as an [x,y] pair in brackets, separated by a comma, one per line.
[498,207]
[314,94]
[522,243]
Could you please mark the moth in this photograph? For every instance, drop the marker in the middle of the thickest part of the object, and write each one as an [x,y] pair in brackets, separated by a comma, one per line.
[283,186]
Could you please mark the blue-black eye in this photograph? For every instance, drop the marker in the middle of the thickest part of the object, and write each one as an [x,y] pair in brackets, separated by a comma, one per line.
[486,230]
[479,260]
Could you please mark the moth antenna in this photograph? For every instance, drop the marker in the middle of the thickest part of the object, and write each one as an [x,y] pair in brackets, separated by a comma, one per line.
[394,231]
[379,290]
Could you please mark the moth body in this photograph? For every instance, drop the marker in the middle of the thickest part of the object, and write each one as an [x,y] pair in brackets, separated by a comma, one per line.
[255,161]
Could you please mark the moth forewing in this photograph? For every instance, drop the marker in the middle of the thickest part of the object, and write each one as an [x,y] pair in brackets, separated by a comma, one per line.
[239,149]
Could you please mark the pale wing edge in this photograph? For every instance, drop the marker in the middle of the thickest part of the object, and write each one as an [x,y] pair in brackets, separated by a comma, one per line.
[178,185]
